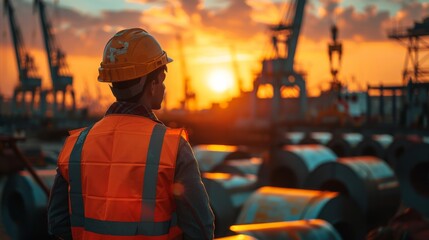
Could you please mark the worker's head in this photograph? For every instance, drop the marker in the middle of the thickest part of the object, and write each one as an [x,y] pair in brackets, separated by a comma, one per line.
[135,64]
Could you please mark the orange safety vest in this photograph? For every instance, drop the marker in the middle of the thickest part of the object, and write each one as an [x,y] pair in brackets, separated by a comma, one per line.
[120,174]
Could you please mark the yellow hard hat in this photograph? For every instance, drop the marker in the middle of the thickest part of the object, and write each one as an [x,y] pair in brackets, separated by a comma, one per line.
[129,54]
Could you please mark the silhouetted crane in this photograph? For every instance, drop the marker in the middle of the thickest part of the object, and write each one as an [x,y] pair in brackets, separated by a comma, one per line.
[62,80]
[29,79]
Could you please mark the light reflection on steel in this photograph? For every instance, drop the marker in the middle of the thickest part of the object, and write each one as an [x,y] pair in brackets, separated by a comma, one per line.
[209,156]
[290,230]
[271,204]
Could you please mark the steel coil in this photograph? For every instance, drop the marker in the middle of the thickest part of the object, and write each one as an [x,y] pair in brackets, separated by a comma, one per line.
[24,203]
[271,204]
[369,181]
[292,163]
[209,156]
[317,138]
[343,145]
[291,138]
[240,166]
[312,229]
[399,146]
[413,175]
[375,145]
[227,194]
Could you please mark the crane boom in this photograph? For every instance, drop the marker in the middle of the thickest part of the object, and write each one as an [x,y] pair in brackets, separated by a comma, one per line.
[62,81]
[292,41]
[27,70]
[29,79]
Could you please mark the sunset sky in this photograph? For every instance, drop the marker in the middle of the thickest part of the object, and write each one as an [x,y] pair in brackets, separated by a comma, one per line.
[210,29]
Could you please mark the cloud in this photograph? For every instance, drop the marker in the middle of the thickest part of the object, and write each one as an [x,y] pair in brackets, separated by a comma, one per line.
[368,25]
[235,20]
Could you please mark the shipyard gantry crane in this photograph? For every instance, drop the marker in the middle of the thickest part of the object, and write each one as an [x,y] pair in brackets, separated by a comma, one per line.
[416,40]
[62,80]
[29,79]
[279,70]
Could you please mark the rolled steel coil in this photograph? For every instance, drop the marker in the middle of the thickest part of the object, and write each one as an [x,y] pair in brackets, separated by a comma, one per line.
[312,229]
[271,204]
[209,156]
[413,175]
[227,194]
[368,180]
[317,138]
[399,146]
[291,138]
[343,145]
[24,203]
[240,166]
[376,146]
[292,163]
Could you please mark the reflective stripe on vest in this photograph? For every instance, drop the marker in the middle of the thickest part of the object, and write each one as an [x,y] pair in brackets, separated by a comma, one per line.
[146,226]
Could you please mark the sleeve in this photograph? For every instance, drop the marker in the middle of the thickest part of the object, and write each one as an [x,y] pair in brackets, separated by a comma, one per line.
[195,216]
[58,209]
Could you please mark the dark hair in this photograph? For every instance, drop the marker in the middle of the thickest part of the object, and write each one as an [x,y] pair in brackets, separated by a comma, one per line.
[152,76]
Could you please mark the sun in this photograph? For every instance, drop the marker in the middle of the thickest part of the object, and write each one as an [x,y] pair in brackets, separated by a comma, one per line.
[220,80]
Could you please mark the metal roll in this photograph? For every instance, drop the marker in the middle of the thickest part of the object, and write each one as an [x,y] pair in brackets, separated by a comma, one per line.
[368,180]
[399,146]
[375,145]
[23,208]
[343,145]
[291,138]
[292,163]
[271,204]
[240,166]
[317,138]
[413,175]
[292,230]
[209,156]
[227,194]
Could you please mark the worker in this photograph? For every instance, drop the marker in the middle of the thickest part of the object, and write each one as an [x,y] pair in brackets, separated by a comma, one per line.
[129,176]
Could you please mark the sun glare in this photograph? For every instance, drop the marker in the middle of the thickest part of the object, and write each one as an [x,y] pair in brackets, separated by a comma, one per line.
[220,80]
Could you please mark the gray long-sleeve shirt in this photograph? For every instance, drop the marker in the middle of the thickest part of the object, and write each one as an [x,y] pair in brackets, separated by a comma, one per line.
[195,216]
